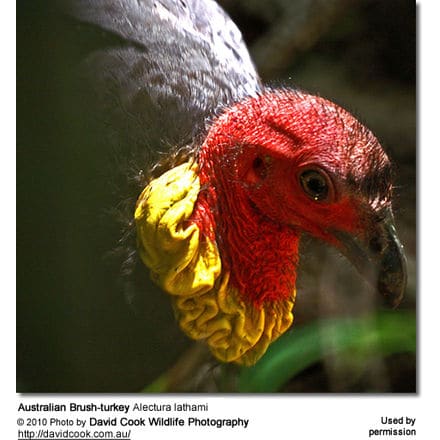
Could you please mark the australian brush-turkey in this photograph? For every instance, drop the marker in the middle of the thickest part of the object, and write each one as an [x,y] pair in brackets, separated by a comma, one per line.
[243,171]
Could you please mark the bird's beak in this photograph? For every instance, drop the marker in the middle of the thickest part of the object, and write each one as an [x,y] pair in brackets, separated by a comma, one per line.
[378,255]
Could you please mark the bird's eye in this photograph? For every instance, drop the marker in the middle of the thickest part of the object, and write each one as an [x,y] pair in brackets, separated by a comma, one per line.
[315,184]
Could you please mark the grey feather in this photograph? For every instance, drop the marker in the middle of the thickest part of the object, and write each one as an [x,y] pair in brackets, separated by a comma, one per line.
[170,66]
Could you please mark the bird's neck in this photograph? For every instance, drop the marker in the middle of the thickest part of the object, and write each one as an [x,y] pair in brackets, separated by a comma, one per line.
[260,255]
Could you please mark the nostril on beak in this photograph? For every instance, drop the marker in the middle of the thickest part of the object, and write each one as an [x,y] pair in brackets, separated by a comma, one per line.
[377,245]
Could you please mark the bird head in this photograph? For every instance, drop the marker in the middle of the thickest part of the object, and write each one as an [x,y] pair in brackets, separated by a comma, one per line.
[303,162]
[271,167]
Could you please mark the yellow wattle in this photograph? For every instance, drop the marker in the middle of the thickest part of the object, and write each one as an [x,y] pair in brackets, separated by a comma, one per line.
[188,267]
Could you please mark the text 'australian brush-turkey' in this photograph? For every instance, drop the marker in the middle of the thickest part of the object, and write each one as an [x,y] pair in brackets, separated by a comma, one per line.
[247,170]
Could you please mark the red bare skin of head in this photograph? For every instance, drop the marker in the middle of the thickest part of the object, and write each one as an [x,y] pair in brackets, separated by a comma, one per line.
[254,201]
